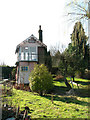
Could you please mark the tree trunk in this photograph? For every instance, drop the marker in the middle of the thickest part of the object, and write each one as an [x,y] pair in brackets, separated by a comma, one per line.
[73,78]
[67,84]
[41,93]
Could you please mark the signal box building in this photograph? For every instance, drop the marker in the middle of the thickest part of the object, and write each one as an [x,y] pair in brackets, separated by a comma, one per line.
[29,52]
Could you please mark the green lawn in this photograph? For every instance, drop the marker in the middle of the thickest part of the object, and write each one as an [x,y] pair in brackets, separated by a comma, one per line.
[62,107]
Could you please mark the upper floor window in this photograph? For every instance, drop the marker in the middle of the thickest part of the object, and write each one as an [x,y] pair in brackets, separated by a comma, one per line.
[26,48]
[32,49]
[28,54]
[33,54]
[31,41]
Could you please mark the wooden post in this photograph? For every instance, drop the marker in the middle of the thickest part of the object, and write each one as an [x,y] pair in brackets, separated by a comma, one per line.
[26,113]
[17,111]
[4,87]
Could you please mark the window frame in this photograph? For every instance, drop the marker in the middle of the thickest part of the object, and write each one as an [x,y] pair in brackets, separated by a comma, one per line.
[24,68]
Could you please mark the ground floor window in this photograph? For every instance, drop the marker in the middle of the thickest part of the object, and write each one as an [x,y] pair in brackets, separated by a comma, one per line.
[24,68]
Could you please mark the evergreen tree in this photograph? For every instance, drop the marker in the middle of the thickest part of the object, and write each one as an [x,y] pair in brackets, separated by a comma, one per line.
[77,51]
[79,39]
[41,80]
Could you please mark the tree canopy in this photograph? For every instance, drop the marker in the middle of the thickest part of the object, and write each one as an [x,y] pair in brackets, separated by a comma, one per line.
[77,52]
[78,37]
[75,57]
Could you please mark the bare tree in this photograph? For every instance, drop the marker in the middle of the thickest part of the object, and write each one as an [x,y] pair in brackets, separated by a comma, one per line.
[78,10]
[57,48]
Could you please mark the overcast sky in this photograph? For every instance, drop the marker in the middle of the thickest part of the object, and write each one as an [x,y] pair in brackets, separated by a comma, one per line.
[21,18]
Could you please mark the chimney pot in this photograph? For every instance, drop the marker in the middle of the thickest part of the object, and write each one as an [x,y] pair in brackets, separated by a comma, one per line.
[39,27]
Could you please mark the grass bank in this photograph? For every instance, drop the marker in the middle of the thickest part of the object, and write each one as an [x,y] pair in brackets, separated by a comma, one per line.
[63,106]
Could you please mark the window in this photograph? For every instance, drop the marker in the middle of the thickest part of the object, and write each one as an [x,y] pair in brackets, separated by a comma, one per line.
[31,41]
[33,55]
[24,68]
[28,53]
[22,56]
[26,48]
[32,49]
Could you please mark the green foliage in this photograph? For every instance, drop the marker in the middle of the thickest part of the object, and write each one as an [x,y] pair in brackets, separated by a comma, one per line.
[63,64]
[7,72]
[41,80]
[48,60]
[78,37]
[75,57]
[13,73]
[56,58]
[75,60]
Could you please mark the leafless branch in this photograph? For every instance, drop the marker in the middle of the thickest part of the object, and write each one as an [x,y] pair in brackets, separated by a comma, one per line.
[81,7]
[77,7]
[77,13]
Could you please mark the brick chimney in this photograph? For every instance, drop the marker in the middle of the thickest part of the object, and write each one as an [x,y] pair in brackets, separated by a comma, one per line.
[40,34]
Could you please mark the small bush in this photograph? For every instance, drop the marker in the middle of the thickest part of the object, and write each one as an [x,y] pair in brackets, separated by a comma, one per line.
[40,79]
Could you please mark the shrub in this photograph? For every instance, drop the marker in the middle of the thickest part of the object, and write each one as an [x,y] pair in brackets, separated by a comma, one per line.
[41,80]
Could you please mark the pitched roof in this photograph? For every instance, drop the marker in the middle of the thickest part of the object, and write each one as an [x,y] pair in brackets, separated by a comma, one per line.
[31,39]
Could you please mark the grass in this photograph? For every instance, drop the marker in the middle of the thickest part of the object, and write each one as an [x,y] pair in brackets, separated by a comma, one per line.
[62,107]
